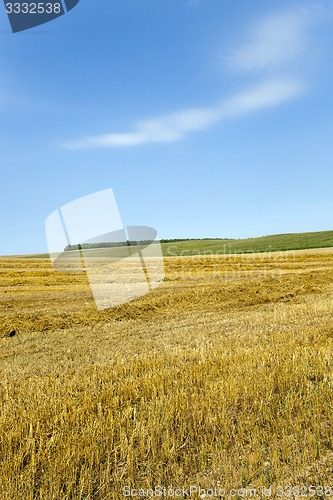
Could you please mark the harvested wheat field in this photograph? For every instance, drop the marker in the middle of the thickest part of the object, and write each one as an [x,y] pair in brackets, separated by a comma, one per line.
[220,378]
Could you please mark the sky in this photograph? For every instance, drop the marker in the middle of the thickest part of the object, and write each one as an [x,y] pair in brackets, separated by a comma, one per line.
[207,118]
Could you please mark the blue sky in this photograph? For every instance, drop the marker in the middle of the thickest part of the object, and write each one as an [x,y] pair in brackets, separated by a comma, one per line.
[207,118]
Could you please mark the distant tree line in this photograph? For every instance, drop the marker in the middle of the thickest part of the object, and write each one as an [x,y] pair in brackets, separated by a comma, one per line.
[108,244]
[190,239]
[113,244]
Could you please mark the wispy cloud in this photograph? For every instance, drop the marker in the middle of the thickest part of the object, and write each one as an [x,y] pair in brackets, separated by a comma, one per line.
[274,44]
[175,126]
[194,3]
[267,94]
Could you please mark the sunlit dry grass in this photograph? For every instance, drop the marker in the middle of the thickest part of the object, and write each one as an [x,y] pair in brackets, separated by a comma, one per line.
[220,377]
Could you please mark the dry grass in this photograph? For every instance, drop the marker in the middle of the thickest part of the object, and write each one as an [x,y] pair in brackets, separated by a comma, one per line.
[221,377]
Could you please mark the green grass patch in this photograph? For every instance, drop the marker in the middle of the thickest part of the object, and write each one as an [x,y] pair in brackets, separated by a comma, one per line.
[270,243]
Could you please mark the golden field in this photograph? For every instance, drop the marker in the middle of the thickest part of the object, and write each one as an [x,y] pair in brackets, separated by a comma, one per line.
[221,377]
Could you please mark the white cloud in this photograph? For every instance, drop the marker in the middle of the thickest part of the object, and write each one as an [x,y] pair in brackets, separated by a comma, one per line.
[276,42]
[194,3]
[267,94]
[176,126]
